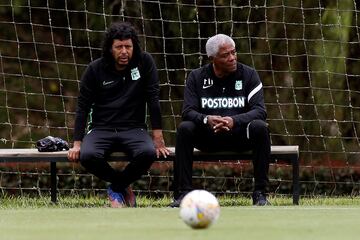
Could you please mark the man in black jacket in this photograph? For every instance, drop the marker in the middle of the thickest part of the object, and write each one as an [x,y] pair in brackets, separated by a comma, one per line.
[223,110]
[115,91]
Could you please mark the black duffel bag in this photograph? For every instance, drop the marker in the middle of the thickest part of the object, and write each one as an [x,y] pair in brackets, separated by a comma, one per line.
[51,144]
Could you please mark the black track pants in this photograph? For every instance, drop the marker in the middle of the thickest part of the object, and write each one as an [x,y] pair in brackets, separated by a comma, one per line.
[98,144]
[254,136]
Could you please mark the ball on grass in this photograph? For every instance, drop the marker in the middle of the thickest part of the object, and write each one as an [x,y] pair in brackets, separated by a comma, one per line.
[199,209]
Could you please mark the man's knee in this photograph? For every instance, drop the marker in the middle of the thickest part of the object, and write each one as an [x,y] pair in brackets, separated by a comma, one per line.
[147,153]
[186,128]
[89,155]
[258,128]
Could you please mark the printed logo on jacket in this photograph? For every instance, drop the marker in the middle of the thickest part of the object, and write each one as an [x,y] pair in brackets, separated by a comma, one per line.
[135,74]
[223,102]
[208,83]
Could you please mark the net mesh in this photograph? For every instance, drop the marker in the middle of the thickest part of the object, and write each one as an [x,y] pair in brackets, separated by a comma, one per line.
[305,52]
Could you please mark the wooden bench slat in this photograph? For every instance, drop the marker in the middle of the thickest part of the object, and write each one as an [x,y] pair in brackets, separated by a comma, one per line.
[32,155]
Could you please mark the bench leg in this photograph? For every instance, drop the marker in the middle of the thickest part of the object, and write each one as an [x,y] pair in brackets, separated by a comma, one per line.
[296,182]
[53,182]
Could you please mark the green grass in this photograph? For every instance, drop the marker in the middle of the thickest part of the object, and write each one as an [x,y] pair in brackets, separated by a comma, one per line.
[11,202]
[90,218]
[246,222]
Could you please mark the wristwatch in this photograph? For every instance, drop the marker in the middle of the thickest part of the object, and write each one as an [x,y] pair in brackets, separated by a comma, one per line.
[205,120]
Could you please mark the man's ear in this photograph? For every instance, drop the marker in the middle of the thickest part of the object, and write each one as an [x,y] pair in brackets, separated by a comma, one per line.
[211,58]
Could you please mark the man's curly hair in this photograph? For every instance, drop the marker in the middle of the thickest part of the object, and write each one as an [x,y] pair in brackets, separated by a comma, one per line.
[120,31]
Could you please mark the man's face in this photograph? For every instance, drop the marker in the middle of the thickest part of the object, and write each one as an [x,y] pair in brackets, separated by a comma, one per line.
[225,62]
[122,51]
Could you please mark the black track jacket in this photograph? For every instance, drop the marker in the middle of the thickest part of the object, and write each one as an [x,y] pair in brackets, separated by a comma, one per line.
[118,99]
[240,95]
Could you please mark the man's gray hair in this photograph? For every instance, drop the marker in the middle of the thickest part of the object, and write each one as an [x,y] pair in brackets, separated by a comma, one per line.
[213,44]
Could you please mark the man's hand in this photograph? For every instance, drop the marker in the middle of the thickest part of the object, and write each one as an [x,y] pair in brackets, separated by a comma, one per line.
[74,152]
[220,124]
[229,123]
[159,143]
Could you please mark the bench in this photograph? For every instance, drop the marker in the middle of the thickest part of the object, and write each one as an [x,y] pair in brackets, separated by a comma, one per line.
[287,153]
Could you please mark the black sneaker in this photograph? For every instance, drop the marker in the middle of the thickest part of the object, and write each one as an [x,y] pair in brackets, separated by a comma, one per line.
[177,201]
[259,199]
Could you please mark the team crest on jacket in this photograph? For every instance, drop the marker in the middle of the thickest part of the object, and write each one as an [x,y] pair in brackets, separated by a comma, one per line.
[238,85]
[135,74]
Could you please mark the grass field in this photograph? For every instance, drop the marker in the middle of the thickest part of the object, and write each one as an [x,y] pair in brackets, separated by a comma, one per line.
[163,223]
[337,219]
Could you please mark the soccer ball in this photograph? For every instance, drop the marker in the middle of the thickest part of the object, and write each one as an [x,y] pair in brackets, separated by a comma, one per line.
[199,209]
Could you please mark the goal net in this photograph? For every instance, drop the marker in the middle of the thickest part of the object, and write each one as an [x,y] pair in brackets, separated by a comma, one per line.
[305,52]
